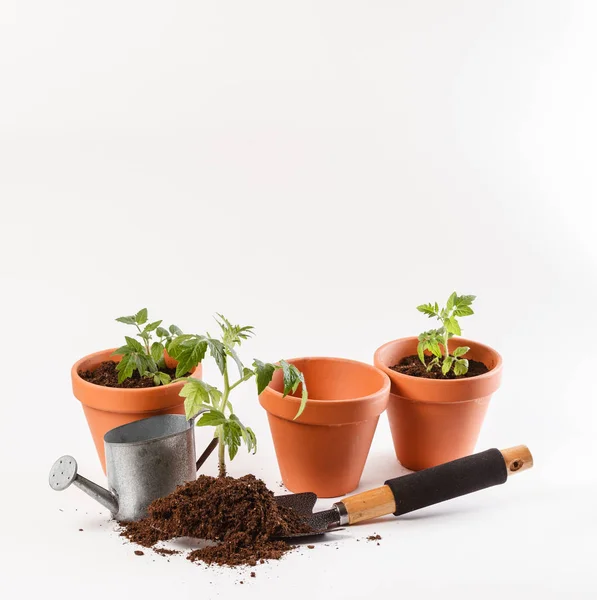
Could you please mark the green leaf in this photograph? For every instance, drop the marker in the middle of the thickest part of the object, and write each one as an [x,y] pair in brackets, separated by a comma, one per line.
[133,344]
[141,316]
[253,438]
[452,326]
[218,352]
[175,330]
[125,367]
[434,348]
[465,300]
[461,366]
[447,364]
[161,332]
[428,309]
[304,398]
[197,396]
[157,351]
[434,361]
[230,351]
[464,311]
[127,320]
[122,350]
[212,418]
[189,353]
[421,351]
[263,374]
[247,373]
[156,380]
[164,378]
[232,436]
[451,301]
[151,326]
[460,351]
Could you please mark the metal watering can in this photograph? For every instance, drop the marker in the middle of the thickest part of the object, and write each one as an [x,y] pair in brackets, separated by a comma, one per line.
[145,460]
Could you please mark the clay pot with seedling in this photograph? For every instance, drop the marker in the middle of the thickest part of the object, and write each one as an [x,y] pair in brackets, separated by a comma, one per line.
[129,383]
[441,387]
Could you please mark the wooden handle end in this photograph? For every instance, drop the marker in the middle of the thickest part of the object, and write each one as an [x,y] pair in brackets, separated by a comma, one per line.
[517,459]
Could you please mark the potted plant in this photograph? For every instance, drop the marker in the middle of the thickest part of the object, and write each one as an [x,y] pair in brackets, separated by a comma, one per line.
[213,404]
[441,387]
[322,446]
[118,386]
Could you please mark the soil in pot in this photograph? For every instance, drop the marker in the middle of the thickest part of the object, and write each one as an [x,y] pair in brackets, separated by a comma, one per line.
[240,514]
[412,365]
[107,375]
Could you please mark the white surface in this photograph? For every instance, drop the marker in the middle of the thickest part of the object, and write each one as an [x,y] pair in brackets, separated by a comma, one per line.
[316,169]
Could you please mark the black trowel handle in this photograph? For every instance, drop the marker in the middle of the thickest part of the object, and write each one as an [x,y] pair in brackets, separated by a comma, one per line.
[437,484]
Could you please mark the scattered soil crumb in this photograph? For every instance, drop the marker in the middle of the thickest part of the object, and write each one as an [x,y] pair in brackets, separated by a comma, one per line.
[253,574]
[374,537]
[165,551]
[310,546]
[80,530]
[241,514]
[139,553]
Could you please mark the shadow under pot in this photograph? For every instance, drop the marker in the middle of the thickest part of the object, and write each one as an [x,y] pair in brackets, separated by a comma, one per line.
[434,421]
[325,449]
[108,407]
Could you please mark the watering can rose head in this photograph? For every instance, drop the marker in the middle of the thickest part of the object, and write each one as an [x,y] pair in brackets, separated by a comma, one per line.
[214,404]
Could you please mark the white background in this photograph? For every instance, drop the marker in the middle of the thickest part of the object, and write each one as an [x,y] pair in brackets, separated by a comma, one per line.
[315,169]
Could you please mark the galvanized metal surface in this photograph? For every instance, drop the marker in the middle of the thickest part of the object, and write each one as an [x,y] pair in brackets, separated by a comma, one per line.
[145,460]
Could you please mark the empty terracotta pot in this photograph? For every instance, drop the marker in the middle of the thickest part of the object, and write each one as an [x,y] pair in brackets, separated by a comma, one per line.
[106,407]
[434,421]
[325,449]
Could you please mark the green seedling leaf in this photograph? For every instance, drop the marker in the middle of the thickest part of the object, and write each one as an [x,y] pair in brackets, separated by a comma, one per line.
[174,330]
[263,374]
[197,396]
[151,326]
[429,309]
[463,311]
[453,326]
[451,301]
[218,353]
[161,332]
[164,378]
[421,350]
[460,351]
[133,344]
[127,320]
[141,316]
[157,351]
[211,418]
[447,364]
[460,366]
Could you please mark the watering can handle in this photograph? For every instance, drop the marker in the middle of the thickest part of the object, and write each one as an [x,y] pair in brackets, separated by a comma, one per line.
[210,448]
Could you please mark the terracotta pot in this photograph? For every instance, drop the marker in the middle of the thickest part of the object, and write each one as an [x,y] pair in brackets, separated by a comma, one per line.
[325,449]
[106,407]
[434,421]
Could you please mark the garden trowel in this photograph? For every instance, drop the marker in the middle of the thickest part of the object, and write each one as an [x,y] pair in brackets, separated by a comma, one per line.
[410,492]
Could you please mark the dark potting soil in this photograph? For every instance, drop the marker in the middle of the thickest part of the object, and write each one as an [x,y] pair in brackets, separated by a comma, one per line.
[411,365]
[240,514]
[107,375]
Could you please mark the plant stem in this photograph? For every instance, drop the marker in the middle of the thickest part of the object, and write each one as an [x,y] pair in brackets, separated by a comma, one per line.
[221,445]
[221,457]
[446,349]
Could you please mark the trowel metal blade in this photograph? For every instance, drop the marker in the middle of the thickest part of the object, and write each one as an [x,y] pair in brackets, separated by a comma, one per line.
[320,522]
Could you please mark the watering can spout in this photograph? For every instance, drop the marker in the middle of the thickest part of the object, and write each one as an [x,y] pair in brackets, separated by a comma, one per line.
[64,473]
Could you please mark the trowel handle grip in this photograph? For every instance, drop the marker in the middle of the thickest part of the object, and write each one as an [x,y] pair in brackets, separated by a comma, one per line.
[437,484]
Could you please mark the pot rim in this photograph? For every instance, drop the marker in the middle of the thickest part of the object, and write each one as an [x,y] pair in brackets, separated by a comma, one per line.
[114,390]
[317,402]
[465,341]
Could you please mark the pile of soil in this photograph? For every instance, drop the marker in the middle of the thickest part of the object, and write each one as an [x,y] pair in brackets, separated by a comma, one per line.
[412,365]
[241,514]
[107,375]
